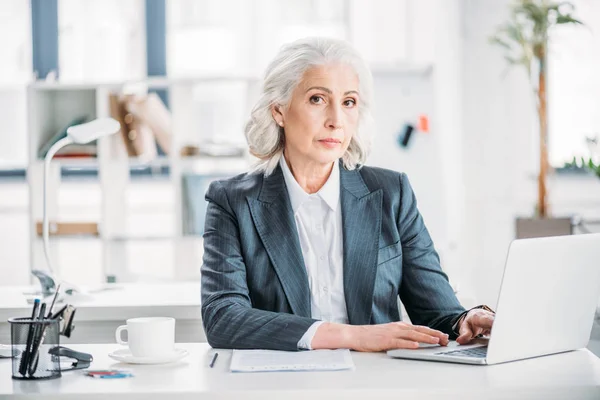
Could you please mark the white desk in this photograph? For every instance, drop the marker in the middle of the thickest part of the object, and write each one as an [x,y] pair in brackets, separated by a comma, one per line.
[97,318]
[574,375]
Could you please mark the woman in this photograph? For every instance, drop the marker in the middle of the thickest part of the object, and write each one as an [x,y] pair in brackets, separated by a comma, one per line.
[312,249]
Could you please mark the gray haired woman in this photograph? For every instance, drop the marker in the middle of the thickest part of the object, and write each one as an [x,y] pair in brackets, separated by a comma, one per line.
[311,249]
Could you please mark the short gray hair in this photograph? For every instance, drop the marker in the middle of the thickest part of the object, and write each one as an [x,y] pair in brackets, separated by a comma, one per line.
[266,138]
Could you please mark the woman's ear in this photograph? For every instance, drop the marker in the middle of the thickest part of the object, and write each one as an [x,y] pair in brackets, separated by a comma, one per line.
[277,114]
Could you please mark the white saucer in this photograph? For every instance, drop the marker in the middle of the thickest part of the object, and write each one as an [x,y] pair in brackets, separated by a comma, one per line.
[124,355]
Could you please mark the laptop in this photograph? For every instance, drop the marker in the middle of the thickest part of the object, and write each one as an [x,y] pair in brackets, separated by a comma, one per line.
[548,296]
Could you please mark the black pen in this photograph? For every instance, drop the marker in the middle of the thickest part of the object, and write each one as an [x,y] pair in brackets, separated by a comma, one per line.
[25,355]
[39,332]
[212,362]
[53,301]
[59,312]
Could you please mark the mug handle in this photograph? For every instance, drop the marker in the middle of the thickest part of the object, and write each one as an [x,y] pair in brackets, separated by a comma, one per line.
[118,335]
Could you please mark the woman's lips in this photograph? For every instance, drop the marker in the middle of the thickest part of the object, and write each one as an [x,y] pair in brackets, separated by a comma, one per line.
[330,143]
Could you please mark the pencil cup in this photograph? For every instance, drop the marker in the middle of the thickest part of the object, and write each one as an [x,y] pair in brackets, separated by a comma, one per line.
[31,341]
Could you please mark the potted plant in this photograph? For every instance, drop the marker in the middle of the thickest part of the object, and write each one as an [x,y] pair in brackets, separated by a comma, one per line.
[524,37]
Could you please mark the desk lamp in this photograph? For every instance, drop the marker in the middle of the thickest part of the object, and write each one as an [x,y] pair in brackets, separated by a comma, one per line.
[79,134]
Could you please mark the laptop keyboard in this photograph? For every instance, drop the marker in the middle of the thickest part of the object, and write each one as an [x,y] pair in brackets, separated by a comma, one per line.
[476,352]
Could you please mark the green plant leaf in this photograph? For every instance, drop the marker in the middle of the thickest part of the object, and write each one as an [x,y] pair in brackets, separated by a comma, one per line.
[501,42]
[567,19]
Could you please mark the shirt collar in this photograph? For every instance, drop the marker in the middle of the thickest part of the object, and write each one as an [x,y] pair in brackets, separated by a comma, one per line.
[330,192]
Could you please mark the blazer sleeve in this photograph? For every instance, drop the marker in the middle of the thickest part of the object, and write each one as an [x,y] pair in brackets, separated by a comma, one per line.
[425,290]
[227,314]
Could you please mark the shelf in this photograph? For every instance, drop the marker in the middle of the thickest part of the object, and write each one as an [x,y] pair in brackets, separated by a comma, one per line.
[150,83]
[134,162]
[123,239]
[11,87]
[215,165]
[402,69]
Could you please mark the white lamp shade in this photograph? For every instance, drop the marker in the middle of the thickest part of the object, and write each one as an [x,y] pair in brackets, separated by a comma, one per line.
[93,130]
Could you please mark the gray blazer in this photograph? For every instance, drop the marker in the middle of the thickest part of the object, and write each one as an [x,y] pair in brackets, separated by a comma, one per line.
[255,291]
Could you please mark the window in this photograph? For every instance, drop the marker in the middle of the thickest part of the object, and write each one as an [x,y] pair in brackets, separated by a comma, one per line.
[574,85]
[239,36]
[207,36]
[15,71]
[101,40]
[15,39]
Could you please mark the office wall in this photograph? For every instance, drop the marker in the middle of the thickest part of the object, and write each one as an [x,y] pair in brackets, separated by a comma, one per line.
[498,147]
[433,161]
[476,171]
[500,153]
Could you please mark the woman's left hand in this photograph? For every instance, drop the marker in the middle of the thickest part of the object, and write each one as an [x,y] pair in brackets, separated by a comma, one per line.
[476,322]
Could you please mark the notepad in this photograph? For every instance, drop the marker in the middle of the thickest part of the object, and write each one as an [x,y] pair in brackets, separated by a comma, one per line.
[271,360]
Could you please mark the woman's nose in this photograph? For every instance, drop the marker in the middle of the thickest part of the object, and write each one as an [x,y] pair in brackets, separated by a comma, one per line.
[334,118]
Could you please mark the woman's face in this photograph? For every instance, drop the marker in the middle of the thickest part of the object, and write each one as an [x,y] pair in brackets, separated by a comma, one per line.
[322,115]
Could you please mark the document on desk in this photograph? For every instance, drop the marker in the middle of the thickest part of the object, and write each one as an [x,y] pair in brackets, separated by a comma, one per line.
[271,360]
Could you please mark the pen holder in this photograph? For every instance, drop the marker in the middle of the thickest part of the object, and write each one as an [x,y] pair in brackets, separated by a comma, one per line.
[31,342]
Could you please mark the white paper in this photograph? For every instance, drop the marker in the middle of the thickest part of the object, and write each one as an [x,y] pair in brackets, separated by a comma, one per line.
[271,360]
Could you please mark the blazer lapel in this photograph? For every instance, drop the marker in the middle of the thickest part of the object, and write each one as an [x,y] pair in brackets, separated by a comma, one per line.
[274,220]
[361,225]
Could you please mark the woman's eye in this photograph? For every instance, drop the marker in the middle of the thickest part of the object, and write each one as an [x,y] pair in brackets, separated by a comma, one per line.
[316,99]
[350,103]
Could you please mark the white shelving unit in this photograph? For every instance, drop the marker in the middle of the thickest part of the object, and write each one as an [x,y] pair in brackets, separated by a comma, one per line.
[53,105]
[191,100]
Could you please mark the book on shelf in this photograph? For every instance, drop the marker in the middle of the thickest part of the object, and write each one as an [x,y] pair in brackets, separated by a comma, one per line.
[145,121]
[154,113]
[69,228]
[60,134]
[78,151]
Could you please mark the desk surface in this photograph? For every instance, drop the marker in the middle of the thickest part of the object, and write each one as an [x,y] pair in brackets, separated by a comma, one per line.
[570,375]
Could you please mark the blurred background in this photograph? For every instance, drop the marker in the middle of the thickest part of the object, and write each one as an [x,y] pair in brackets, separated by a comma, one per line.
[182,75]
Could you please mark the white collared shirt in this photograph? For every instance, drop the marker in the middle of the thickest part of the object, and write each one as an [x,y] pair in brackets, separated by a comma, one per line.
[318,219]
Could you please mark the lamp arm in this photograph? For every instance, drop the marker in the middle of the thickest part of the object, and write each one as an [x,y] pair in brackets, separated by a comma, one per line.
[45,224]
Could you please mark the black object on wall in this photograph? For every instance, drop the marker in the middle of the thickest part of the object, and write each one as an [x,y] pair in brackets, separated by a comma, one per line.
[404,137]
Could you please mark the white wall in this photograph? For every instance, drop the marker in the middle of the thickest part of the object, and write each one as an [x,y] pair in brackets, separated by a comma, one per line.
[476,171]
[499,148]
[433,161]
[498,119]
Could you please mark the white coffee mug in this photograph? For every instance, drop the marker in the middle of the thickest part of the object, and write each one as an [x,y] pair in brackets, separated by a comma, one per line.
[148,337]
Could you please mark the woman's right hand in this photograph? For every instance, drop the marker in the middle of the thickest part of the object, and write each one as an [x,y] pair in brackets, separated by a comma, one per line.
[381,337]
[394,335]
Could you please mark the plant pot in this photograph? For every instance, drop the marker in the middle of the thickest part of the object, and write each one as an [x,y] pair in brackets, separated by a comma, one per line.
[543,227]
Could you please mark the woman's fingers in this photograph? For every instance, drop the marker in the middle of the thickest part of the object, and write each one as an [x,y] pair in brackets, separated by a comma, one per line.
[420,337]
[404,344]
[466,334]
[422,334]
[484,320]
[432,332]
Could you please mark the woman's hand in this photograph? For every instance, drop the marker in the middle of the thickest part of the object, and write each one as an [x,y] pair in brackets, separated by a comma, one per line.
[382,337]
[395,335]
[476,322]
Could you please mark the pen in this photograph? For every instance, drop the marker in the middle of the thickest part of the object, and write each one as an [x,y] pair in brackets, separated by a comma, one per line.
[39,332]
[25,355]
[53,301]
[212,362]
[59,312]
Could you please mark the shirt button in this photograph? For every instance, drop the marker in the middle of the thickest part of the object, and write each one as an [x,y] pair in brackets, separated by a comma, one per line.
[321,258]
[325,289]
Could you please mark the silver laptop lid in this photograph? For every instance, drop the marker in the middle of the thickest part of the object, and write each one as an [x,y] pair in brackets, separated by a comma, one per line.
[549,293]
